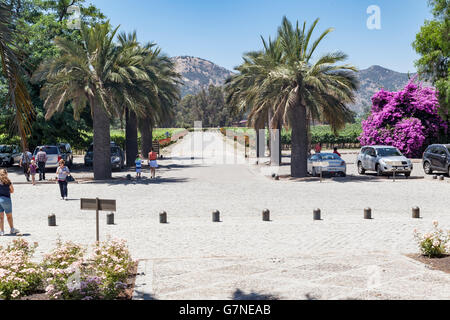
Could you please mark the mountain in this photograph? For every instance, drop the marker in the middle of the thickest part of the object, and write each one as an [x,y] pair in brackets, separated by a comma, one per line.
[372,80]
[198,73]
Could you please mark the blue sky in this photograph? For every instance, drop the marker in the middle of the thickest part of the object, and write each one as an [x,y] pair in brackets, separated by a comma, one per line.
[221,31]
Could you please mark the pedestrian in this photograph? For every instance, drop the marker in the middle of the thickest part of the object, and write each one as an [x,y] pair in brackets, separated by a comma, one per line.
[336,152]
[152,156]
[41,159]
[138,163]
[24,163]
[32,171]
[6,189]
[318,147]
[61,175]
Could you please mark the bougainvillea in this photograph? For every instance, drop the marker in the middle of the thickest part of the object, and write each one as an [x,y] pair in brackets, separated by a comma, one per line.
[407,119]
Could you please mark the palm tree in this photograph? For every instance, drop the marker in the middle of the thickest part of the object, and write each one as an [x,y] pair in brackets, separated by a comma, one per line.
[295,88]
[89,74]
[19,98]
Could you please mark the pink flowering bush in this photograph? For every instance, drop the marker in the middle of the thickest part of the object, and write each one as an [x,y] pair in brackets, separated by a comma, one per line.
[407,119]
[19,276]
[72,276]
[111,262]
[434,244]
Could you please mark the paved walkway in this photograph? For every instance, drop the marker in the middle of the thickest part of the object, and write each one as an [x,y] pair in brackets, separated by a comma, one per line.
[292,257]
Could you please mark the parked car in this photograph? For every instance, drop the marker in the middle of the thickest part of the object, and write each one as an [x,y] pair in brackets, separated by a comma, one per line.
[383,160]
[437,158]
[117,157]
[9,155]
[67,153]
[330,163]
[54,154]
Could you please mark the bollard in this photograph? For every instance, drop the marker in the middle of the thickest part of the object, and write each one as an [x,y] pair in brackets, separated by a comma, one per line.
[128,176]
[435,177]
[216,216]
[317,214]
[277,177]
[266,215]
[441,178]
[163,217]
[416,213]
[110,218]
[368,213]
[52,220]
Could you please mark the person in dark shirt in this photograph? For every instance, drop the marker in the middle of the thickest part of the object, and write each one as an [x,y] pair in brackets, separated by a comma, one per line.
[6,189]
[336,152]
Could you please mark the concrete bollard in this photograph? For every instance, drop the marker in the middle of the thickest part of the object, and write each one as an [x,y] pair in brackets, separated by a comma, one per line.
[317,214]
[368,213]
[163,217]
[52,220]
[277,177]
[442,178]
[416,213]
[435,177]
[266,215]
[216,216]
[110,218]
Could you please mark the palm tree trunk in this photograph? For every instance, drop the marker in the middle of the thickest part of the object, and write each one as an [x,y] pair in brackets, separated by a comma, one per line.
[299,153]
[146,129]
[131,137]
[102,143]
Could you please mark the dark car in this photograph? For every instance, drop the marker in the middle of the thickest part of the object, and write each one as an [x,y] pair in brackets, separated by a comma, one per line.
[437,158]
[117,157]
[67,154]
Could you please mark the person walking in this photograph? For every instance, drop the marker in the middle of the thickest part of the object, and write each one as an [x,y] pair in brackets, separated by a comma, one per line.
[6,189]
[32,171]
[152,156]
[336,152]
[318,147]
[138,163]
[61,175]
[24,163]
[41,159]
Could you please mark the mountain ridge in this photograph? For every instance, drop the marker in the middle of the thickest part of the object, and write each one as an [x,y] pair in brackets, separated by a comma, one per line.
[198,74]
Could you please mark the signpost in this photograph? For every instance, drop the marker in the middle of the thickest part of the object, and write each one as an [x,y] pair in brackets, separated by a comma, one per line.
[155,146]
[98,205]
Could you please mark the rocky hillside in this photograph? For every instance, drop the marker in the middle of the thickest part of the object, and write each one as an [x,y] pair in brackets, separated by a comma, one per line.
[198,73]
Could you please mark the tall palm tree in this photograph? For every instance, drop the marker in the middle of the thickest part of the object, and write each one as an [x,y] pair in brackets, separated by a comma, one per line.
[296,88]
[19,98]
[88,74]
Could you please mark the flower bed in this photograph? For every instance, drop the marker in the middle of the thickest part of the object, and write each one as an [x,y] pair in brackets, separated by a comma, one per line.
[67,272]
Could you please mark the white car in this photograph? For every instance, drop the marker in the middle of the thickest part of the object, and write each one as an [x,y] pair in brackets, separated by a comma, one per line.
[54,154]
[383,160]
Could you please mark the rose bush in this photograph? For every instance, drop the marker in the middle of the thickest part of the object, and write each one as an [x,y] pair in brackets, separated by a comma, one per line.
[434,244]
[407,119]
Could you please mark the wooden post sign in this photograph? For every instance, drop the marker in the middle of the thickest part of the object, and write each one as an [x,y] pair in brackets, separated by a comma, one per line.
[98,205]
[155,146]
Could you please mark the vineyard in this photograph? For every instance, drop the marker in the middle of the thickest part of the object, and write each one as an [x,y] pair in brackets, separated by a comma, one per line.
[346,138]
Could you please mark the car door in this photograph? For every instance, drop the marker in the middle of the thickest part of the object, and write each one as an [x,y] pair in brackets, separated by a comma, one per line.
[311,160]
[433,156]
[369,158]
[441,158]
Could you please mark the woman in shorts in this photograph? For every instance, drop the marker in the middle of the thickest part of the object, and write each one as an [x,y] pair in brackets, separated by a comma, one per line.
[6,189]
[152,156]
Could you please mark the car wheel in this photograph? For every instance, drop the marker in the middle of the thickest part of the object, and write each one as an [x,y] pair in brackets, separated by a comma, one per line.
[360,168]
[379,171]
[427,168]
[448,171]
[343,174]
[408,174]
[11,162]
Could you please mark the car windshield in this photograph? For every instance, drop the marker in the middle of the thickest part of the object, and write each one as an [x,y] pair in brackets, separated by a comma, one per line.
[49,150]
[115,151]
[330,156]
[5,149]
[388,152]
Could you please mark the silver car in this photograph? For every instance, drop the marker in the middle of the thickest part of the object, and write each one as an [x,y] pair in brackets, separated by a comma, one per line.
[54,154]
[329,163]
[9,155]
[383,160]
